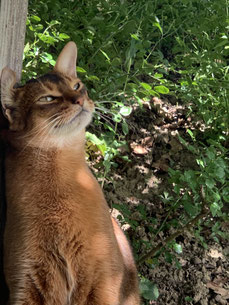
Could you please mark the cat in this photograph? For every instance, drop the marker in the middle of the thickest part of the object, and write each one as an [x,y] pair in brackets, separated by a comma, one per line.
[61,246]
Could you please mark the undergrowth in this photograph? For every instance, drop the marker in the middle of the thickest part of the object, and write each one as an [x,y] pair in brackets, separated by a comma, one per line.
[130,51]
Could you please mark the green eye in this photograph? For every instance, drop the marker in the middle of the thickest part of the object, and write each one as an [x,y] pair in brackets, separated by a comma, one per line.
[76,87]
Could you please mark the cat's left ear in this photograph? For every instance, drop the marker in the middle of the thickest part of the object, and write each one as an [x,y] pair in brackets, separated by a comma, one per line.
[66,61]
[8,80]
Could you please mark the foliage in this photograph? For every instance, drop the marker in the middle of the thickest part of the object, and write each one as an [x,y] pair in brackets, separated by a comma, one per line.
[130,51]
[149,291]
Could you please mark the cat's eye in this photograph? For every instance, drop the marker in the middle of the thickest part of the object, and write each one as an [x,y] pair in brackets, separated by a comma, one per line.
[77,86]
[47,99]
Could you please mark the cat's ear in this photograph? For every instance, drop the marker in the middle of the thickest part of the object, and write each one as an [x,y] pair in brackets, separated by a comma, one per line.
[8,80]
[66,61]
[9,107]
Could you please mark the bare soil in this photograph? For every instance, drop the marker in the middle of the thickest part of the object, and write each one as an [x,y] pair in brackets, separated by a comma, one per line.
[198,275]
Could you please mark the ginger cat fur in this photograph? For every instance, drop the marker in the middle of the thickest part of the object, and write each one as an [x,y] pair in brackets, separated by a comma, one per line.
[61,247]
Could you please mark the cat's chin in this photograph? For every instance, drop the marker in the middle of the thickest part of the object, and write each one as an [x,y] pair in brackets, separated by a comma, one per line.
[74,125]
[67,133]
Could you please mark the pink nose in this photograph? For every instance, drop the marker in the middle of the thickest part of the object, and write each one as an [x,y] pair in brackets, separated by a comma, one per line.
[78,101]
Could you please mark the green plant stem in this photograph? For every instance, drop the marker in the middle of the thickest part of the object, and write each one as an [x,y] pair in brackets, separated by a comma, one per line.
[188,226]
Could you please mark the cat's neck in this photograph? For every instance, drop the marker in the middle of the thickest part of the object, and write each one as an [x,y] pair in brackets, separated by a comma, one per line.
[70,154]
[53,171]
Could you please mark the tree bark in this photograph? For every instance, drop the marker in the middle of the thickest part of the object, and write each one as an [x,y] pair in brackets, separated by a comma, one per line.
[12,28]
[13,15]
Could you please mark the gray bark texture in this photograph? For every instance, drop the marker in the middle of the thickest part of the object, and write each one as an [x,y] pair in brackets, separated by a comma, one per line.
[13,15]
[12,34]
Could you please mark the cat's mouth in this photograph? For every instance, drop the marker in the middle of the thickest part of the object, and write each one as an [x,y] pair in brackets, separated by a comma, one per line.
[73,119]
[76,116]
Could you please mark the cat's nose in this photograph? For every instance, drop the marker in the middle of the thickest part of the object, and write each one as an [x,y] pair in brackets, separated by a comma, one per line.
[78,101]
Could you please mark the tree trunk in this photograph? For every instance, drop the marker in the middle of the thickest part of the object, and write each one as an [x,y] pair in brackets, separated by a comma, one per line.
[12,31]
[12,28]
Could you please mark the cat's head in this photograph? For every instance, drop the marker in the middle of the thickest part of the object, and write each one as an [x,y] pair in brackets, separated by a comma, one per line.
[52,109]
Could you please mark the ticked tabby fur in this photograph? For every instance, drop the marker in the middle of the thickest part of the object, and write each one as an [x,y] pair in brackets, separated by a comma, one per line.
[61,246]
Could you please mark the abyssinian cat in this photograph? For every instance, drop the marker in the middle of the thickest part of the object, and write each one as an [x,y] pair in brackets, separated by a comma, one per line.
[61,247]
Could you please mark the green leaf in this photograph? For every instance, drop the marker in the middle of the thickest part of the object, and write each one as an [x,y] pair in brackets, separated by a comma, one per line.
[135,36]
[35,18]
[200,163]
[80,70]
[46,57]
[190,208]
[105,54]
[27,47]
[102,148]
[125,110]
[158,26]
[219,172]
[63,36]
[146,86]
[158,75]
[149,290]
[188,299]
[125,128]
[161,89]
[214,208]
[54,22]
[177,248]
[46,38]
[93,138]
[210,183]
[191,134]
[93,78]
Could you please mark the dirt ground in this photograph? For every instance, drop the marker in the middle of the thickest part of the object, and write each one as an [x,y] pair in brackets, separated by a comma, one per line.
[198,275]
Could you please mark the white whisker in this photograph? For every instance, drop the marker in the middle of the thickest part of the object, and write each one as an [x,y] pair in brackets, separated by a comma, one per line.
[105,118]
[104,102]
[105,110]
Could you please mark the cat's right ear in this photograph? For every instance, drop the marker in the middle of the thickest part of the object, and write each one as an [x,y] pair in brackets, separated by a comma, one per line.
[8,80]
[66,61]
